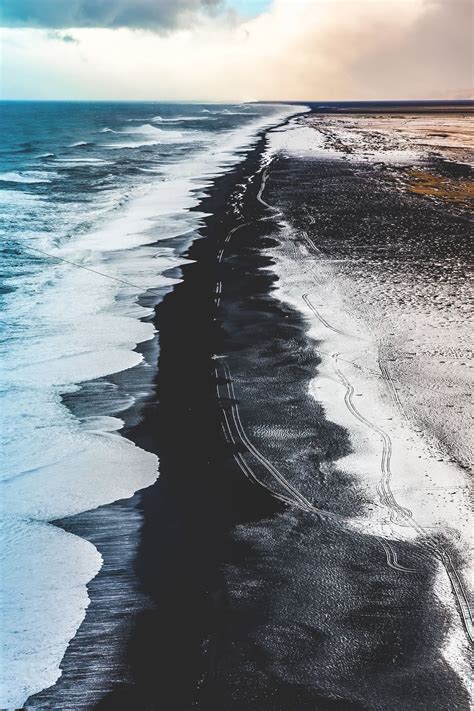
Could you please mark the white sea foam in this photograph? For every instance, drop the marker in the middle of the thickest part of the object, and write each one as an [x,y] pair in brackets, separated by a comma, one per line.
[63,467]
[83,325]
[13,199]
[42,605]
[130,144]
[234,112]
[80,162]
[179,119]
[152,136]
[27,176]
[230,112]
[148,130]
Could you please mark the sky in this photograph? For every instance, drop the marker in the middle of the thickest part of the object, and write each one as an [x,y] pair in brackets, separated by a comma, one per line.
[236,50]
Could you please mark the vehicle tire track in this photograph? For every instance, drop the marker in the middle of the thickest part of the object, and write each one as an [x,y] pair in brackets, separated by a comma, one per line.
[392,557]
[384,489]
[400,514]
[311,306]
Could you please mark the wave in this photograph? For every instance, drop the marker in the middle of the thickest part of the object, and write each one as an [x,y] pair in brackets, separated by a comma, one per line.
[57,561]
[130,144]
[55,471]
[46,155]
[153,136]
[148,130]
[80,162]
[80,144]
[14,199]
[179,119]
[229,112]
[107,130]
[27,177]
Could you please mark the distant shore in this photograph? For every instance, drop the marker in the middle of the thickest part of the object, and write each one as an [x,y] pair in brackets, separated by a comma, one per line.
[388,107]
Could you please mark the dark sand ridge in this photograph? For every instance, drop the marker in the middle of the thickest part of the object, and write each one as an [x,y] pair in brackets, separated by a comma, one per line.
[421,107]
[249,603]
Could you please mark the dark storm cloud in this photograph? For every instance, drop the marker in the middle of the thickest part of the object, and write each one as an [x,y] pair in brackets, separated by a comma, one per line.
[137,14]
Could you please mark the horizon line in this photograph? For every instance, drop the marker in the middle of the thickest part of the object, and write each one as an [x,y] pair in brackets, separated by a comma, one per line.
[240,101]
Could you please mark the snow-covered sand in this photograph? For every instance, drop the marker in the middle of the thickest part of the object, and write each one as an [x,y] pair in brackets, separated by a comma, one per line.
[395,372]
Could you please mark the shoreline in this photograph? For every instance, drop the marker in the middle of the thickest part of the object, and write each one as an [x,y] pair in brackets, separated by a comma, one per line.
[229,150]
[231,576]
[98,526]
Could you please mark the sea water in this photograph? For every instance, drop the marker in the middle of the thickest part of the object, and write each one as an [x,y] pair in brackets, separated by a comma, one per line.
[95,204]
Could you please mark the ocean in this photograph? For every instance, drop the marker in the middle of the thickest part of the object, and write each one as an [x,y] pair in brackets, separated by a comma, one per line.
[99,203]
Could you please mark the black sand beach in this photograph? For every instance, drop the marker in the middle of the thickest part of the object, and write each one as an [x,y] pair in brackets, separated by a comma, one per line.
[244,589]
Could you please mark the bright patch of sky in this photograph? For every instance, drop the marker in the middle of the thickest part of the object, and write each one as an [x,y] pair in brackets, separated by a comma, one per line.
[251,7]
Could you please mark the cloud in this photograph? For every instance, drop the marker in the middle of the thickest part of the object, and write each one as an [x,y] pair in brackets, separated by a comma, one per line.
[296,50]
[60,37]
[431,58]
[360,49]
[113,14]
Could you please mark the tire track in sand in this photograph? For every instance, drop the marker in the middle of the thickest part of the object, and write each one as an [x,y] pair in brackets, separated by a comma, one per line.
[401,513]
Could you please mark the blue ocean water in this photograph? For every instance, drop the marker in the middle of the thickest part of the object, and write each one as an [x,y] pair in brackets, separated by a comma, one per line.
[95,209]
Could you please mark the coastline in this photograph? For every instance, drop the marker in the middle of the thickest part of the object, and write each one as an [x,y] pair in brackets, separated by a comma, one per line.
[230,575]
[163,210]
[124,550]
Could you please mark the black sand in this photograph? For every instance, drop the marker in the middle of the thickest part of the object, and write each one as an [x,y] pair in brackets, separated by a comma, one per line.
[247,603]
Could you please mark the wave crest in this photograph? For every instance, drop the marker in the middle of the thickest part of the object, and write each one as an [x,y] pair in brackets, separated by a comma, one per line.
[27,177]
